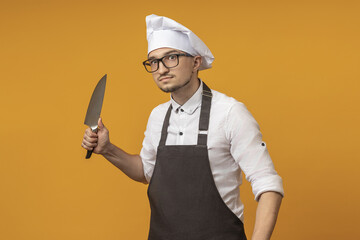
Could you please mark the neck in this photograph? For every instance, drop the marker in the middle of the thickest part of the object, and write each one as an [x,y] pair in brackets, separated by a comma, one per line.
[181,96]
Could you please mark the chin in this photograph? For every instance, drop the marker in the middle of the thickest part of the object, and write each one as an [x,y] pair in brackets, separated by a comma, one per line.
[168,89]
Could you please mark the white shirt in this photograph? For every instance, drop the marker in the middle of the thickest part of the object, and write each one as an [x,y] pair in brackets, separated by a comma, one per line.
[234,145]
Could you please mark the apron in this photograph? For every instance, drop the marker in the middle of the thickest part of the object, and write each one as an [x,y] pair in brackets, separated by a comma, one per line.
[185,203]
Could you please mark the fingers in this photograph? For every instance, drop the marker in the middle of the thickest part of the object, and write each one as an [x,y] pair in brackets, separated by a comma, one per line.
[90,139]
[88,146]
[90,133]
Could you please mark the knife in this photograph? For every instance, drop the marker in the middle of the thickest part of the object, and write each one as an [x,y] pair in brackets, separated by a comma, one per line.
[94,108]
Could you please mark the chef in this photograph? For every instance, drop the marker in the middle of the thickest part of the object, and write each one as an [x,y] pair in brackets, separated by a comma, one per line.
[196,147]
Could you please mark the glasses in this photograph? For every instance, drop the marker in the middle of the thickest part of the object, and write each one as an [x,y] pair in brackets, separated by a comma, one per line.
[169,61]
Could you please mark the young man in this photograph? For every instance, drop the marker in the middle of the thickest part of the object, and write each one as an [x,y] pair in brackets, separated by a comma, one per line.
[195,148]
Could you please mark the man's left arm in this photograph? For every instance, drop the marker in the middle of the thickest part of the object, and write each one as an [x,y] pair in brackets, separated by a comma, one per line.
[251,153]
[266,215]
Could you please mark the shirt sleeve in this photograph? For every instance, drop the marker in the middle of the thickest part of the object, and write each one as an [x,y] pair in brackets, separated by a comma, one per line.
[148,151]
[250,152]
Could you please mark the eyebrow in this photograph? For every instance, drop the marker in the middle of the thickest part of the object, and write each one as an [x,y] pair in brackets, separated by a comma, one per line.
[171,51]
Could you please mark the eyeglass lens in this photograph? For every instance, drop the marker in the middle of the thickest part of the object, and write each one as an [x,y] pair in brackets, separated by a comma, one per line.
[169,61]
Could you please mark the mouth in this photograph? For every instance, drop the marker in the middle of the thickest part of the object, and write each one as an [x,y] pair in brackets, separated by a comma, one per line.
[165,78]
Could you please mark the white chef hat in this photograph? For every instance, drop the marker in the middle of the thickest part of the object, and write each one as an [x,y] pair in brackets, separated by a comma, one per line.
[165,32]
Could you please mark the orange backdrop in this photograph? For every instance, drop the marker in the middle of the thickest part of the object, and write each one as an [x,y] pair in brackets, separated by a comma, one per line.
[295,64]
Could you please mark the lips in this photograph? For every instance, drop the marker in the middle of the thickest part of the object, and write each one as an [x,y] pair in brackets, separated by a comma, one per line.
[165,78]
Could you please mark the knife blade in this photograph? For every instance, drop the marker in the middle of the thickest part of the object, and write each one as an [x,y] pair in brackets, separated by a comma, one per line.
[94,108]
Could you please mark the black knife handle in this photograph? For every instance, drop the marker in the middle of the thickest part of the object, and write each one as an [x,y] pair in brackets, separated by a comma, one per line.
[89,152]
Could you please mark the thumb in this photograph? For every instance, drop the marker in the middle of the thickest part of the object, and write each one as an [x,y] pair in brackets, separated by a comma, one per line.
[100,124]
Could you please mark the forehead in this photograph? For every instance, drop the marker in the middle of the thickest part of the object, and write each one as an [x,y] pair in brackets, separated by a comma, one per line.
[157,53]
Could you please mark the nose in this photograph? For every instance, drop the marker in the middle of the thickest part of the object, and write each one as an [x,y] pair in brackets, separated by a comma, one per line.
[162,69]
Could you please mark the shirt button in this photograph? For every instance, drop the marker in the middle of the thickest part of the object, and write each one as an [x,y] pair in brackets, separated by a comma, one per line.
[181,133]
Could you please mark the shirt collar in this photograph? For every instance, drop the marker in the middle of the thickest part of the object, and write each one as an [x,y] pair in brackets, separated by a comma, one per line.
[192,104]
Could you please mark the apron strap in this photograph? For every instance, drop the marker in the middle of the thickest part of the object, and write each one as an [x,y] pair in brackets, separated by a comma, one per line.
[204,115]
[204,118]
[164,132]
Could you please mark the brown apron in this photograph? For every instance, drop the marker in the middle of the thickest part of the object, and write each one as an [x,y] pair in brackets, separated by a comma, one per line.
[185,203]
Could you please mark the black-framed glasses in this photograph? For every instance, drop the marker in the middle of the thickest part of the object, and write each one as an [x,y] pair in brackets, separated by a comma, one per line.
[169,61]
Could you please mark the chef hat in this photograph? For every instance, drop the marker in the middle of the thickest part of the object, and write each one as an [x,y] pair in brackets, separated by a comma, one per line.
[165,32]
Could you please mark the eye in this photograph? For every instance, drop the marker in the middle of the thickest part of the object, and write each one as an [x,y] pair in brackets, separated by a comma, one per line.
[172,57]
[154,62]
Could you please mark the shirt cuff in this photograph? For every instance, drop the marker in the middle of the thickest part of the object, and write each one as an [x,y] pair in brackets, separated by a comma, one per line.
[268,184]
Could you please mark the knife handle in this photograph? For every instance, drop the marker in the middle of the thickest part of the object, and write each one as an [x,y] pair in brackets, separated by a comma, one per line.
[89,152]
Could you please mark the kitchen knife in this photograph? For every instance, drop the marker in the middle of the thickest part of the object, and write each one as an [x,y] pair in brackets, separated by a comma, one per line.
[94,108]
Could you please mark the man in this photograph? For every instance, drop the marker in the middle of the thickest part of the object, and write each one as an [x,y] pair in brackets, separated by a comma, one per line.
[195,148]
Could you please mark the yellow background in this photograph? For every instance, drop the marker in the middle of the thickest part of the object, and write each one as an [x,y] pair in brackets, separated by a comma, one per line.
[295,64]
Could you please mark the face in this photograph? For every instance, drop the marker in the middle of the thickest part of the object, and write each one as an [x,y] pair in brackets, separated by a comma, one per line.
[177,78]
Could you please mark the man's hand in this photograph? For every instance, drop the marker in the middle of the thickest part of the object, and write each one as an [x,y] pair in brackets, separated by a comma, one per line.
[98,142]
[129,164]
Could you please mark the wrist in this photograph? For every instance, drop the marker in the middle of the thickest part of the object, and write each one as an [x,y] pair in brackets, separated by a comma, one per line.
[107,149]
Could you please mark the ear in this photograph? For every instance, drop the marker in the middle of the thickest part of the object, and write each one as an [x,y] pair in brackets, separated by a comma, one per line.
[197,63]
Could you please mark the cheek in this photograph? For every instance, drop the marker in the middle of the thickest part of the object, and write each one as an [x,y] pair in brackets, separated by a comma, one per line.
[185,71]
[154,76]
[187,67]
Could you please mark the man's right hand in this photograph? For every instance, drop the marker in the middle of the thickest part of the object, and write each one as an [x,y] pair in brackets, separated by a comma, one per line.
[98,142]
